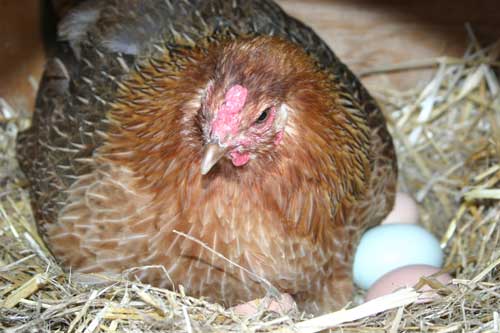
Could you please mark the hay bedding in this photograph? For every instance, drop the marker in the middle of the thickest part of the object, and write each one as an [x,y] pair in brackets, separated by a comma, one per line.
[447,135]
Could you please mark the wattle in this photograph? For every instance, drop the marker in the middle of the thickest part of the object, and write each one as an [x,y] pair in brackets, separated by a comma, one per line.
[239,159]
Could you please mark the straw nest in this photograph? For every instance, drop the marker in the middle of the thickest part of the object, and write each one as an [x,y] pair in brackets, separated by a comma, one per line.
[447,135]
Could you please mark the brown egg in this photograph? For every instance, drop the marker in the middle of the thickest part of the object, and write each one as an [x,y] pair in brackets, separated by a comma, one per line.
[407,276]
[405,210]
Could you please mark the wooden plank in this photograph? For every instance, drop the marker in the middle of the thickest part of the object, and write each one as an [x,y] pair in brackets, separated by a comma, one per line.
[366,34]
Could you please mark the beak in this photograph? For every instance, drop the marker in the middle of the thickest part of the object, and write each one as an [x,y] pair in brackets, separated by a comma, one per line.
[213,153]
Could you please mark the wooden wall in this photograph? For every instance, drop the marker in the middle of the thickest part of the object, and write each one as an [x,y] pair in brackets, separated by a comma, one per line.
[21,51]
[366,34]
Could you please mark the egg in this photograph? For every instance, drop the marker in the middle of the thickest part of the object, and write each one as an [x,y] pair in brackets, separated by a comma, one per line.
[405,210]
[390,246]
[407,276]
[283,304]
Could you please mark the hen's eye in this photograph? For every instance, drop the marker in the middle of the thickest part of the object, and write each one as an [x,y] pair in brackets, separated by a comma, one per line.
[263,116]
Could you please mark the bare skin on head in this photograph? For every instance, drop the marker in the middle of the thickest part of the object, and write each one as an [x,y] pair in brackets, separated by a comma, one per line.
[226,137]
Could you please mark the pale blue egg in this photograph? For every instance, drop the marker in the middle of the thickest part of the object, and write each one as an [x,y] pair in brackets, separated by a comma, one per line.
[390,246]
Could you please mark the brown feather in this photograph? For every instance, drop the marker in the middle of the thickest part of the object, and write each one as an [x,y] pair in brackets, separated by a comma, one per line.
[292,215]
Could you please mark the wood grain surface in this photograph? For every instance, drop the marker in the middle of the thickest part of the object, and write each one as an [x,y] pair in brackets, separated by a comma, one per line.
[21,52]
[367,34]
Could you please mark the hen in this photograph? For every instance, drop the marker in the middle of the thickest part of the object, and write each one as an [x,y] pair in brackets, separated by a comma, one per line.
[228,121]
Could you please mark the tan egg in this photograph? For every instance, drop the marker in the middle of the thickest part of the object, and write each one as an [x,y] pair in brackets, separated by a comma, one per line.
[405,210]
[282,305]
[407,276]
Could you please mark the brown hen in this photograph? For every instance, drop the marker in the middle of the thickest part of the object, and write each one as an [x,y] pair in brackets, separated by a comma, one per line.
[225,120]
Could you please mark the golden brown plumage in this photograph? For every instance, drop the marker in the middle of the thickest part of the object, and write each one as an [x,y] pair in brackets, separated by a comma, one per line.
[263,147]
